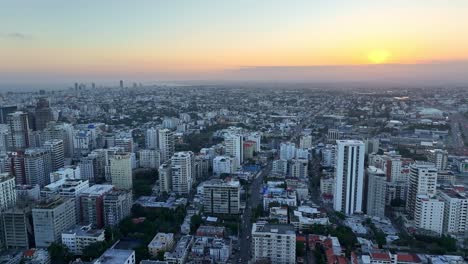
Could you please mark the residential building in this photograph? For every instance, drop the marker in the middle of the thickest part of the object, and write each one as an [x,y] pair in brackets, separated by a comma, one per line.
[79,237]
[182,164]
[57,153]
[121,171]
[18,227]
[181,251]
[274,242]
[38,166]
[151,139]
[117,206]
[116,256]
[438,157]
[166,144]
[149,158]
[234,147]
[19,131]
[299,168]
[92,204]
[305,142]
[7,191]
[376,192]
[161,242]
[429,214]
[280,167]
[455,211]
[223,164]
[221,197]
[287,151]
[165,177]
[423,180]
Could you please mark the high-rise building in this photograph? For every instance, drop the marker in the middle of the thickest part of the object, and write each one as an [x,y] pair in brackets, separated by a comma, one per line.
[372,145]
[166,144]
[43,113]
[280,167]
[117,206]
[305,141]
[349,176]
[56,149]
[299,168]
[182,164]
[438,157]
[329,155]
[287,151]
[429,214]
[19,130]
[151,139]
[14,164]
[224,164]
[455,211]
[221,197]
[149,158]
[7,191]
[63,131]
[125,143]
[423,180]
[249,149]
[275,243]
[234,147]
[92,204]
[38,166]
[5,111]
[333,135]
[256,137]
[17,227]
[121,171]
[165,177]
[51,218]
[376,192]
[121,84]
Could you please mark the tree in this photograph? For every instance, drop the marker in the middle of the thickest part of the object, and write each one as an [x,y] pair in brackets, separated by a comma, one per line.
[160,255]
[59,253]
[300,249]
[195,223]
[94,250]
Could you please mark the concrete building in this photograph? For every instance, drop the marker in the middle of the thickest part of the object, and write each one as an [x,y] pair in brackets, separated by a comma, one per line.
[68,172]
[423,180]
[117,206]
[52,217]
[7,191]
[329,155]
[166,144]
[19,131]
[165,177]
[182,164]
[429,214]
[57,153]
[151,138]
[221,197]
[121,171]
[92,204]
[78,237]
[305,142]
[455,211]
[181,251]
[38,166]
[234,147]
[280,167]
[149,158]
[224,164]
[438,157]
[274,242]
[255,137]
[376,192]
[18,227]
[249,149]
[161,242]
[287,151]
[116,256]
[349,177]
[299,168]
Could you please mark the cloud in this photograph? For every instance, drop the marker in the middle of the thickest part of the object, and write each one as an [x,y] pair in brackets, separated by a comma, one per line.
[17,35]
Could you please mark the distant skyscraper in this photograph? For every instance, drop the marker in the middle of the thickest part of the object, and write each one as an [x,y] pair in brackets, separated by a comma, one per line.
[349,176]
[43,113]
[19,130]
[121,171]
[235,147]
[121,84]
[151,139]
[51,218]
[56,149]
[423,180]
[5,111]
[166,144]
[376,192]
[182,172]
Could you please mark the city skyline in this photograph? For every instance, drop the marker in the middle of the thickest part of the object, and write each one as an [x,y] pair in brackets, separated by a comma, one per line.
[217,40]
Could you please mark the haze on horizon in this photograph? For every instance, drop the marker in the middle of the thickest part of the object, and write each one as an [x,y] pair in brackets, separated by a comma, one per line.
[53,41]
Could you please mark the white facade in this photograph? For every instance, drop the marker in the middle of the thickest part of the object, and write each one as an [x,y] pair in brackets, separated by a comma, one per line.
[69,172]
[280,167]
[166,144]
[328,156]
[305,142]
[255,136]
[423,180]
[7,191]
[121,171]
[76,239]
[276,243]
[235,147]
[439,158]
[182,172]
[57,152]
[299,168]
[287,151]
[165,178]
[150,158]
[349,176]
[429,214]
[223,164]
[161,242]
[455,212]
[376,192]
[38,165]
[151,139]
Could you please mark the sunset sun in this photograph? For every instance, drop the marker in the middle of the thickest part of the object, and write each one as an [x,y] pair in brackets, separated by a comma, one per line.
[378,56]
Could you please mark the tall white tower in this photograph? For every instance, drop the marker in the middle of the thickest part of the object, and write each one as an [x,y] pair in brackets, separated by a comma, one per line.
[349,176]
[166,144]
[121,171]
[182,165]
[152,138]
[423,180]
[234,147]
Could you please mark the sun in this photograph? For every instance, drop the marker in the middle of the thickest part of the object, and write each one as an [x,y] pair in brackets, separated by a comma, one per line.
[378,56]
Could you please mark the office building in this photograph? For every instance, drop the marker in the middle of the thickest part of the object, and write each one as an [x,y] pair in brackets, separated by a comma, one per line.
[149,158]
[38,166]
[182,164]
[56,150]
[92,204]
[376,192]
[5,111]
[287,151]
[165,177]
[234,147]
[117,206]
[121,171]
[349,176]
[17,227]
[79,237]
[125,143]
[166,144]
[423,180]
[224,165]
[7,191]
[275,243]
[51,218]
[221,197]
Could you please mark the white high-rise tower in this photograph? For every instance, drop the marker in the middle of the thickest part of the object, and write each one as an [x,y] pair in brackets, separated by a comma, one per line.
[166,144]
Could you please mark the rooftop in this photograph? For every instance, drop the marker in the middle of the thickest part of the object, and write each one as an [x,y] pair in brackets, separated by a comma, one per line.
[115,256]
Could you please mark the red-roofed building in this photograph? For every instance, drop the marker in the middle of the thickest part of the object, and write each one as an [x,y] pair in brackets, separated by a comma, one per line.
[406,258]
[381,257]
